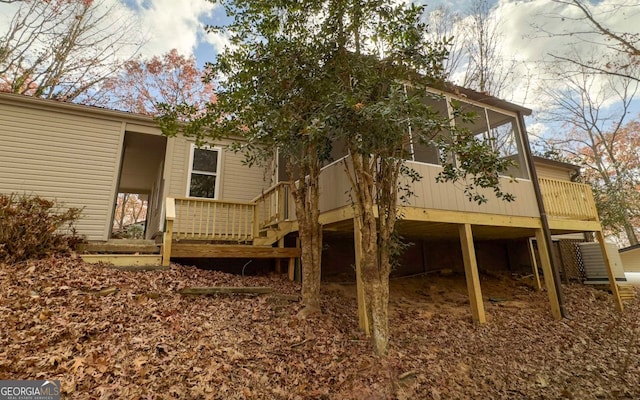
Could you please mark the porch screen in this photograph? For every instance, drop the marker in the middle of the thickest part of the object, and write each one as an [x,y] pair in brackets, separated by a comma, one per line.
[501,130]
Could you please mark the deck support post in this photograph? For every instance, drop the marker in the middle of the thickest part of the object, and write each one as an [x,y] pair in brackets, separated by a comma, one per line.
[279,260]
[363,317]
[292,263]
[471,273]
[534,264]
[167,237]
[609,266]
[547,273]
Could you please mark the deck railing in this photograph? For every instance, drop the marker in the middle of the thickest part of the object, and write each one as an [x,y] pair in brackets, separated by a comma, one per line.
[272,206]
[205,219]
[568,199]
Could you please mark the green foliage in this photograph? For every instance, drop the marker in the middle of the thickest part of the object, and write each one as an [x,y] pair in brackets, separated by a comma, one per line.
[303,76]
[30,227]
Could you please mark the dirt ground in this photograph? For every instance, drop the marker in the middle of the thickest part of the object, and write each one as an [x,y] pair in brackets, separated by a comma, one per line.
[109,334]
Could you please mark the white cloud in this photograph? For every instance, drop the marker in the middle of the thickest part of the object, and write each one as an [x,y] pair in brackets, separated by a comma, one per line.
[535,31]
[537,129]
[171,24]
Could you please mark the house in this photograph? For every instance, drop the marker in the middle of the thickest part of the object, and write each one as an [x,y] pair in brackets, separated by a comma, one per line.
[630,257]
[206,203]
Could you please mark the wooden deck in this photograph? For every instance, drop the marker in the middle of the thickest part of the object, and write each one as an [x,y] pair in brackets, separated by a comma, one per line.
[204,228]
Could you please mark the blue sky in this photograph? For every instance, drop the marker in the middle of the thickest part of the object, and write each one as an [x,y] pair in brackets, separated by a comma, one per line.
[180,24]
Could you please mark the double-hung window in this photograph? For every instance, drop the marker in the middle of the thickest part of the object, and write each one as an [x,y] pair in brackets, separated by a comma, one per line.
[204,172]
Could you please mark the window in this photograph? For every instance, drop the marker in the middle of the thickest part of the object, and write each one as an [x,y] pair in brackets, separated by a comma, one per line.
[502,131]
[423,148]
[204,172]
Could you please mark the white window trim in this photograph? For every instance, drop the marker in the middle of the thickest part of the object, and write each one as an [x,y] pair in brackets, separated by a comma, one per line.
[217,174]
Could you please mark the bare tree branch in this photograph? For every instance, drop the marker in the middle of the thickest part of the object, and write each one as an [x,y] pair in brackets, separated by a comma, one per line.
[599,138]
[63,49]
[618,51]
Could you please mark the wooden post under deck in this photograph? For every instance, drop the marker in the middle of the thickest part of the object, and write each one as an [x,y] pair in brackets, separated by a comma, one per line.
[363,317]
[279,261]
[534,263]
[471,273]
[170,216]
[292,263]
[543,251]
[609,266]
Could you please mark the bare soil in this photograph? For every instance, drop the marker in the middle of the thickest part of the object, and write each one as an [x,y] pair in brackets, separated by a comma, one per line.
[108,334]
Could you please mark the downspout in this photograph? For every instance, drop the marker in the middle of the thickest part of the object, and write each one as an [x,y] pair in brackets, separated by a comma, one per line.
[543,214]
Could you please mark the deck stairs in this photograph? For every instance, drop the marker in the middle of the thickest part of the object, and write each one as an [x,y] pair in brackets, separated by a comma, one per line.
[123,253]
[261,246]
[627,291]
[273,233]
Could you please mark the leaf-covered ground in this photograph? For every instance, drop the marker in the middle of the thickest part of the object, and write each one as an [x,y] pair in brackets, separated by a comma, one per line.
[146,341]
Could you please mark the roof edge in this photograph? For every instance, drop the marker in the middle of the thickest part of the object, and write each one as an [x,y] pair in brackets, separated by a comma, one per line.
[77,108]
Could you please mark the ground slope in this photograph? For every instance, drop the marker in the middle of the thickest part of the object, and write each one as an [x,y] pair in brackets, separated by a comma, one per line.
[147,341]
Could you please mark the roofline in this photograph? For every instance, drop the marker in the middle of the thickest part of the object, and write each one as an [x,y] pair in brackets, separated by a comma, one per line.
[555,163]
[77,108]
[486,98]
[635,246]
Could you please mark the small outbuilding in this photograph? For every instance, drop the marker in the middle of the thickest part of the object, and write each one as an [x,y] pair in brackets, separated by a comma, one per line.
[630,257]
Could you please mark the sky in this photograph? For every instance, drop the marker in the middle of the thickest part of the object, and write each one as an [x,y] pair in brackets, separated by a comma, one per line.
[179,24]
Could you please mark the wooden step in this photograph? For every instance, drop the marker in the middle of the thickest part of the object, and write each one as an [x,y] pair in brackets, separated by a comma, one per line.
[125,261]
[627,291]
[121,246]
[205,250]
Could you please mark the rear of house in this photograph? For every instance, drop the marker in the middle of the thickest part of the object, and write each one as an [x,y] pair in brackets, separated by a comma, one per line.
[206,203]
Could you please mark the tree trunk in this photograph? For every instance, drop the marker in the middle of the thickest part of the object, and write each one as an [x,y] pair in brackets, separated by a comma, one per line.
[631,232]
[306,197]
[310,259]
[380,314]
[375,265]
[375,274]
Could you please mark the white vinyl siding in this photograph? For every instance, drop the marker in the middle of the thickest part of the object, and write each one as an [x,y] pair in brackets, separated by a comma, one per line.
[547,171]
[68,157]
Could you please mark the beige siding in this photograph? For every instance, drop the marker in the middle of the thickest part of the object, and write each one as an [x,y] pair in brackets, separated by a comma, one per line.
[238,182]
[547,171]
[334,186]
[334,192]
[72,158]
[631,260]
[448,196]
[179,168]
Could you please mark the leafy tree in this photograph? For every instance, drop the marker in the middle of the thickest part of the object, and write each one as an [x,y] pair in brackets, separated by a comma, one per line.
[143,85]
[270,89]
[304,75]
[63,49]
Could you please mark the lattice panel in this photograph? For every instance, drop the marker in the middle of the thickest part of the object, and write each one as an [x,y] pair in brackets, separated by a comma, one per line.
[572,259]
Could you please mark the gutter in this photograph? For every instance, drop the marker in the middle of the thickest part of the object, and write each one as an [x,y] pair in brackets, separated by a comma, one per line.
[543,215]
